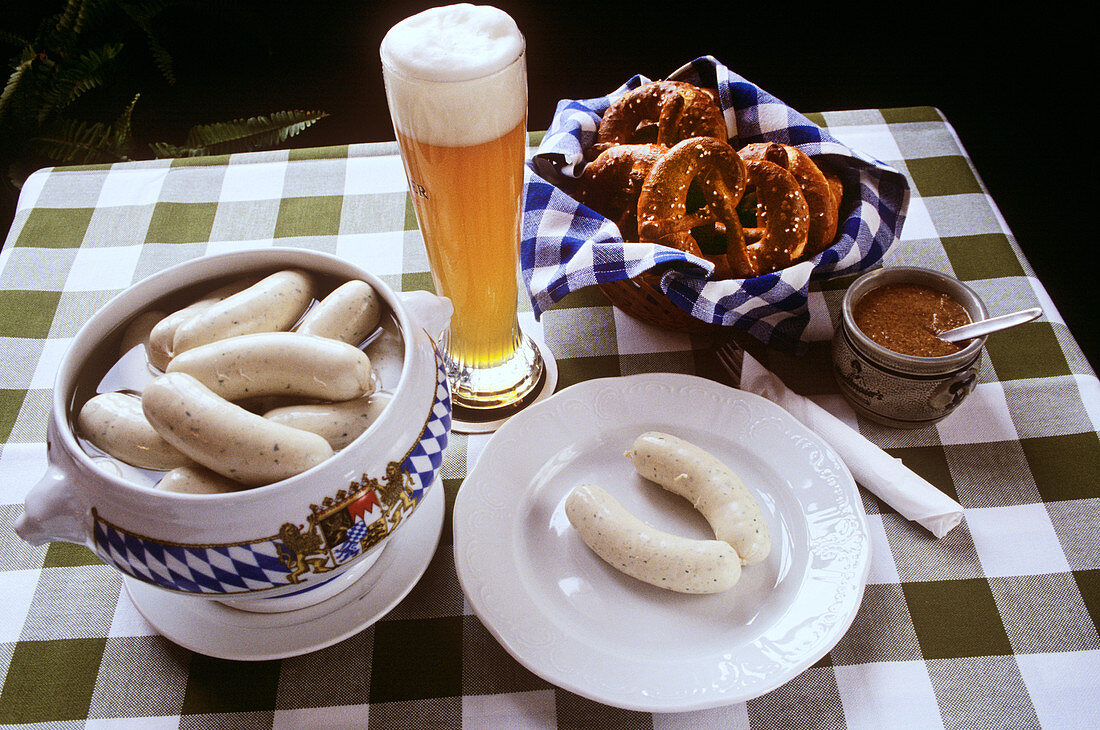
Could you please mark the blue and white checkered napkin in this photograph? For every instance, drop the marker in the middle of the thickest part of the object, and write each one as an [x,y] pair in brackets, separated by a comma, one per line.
[567,246]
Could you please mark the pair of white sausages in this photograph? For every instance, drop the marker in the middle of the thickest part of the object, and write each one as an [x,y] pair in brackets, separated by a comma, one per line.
[662,559]
[232,345]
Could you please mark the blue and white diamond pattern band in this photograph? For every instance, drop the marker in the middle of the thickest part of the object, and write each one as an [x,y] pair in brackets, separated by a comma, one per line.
[256,566]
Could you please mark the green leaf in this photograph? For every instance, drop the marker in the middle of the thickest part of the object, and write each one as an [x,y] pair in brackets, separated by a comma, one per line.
[73,79]
[12,85]
[74,141]
[241,135]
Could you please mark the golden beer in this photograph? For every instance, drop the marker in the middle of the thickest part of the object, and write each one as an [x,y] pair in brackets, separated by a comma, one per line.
[456,84]
[468,207]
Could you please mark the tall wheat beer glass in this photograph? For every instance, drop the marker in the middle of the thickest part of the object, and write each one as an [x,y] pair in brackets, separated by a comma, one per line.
[456,84]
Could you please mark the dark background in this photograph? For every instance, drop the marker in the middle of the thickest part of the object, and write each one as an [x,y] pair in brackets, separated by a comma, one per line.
[1015,83]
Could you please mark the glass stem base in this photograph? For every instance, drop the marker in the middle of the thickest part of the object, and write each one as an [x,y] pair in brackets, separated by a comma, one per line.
[499,385]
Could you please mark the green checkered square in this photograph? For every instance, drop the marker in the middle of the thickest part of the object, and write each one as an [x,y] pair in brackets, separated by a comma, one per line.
[956,618]
[27,314]
[948,175]
[1088,582]
[573,370]
[11,401]
[911,115]
[417,659]
[50,681]
[983,256]
[308,216]
[221,686]
[181,222]
[930,463]
[54,227]
[68,555]
[417,281]
[1029,350]
[1064,467]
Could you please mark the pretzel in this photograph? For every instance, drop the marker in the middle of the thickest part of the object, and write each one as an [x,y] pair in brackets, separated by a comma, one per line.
[719,174]
[664,112]
[822,189]
[611,184]
[782,219]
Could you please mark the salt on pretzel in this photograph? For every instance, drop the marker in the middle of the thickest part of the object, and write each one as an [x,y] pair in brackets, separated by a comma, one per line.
[611,184]
[715,170]
[821,189]
[782,221]
[662,112]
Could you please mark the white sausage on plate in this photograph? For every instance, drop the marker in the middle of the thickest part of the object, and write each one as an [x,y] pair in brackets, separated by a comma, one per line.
[274,303]
[279,363]
[115,424]
[711,487]
[349,314]
[226,438]
[642,551]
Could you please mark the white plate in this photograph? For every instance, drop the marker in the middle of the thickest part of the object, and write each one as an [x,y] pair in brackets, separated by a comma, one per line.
[580,624]
[212,628]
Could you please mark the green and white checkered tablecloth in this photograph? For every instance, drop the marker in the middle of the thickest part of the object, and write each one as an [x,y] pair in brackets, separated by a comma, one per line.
[993,626]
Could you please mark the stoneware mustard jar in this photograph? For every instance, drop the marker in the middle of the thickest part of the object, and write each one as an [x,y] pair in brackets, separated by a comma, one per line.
[269,548]
[897,389]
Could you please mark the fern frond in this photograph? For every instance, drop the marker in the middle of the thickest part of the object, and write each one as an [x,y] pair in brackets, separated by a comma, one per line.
[241,135]
[122,127]
[78,15]
[12,85]
[77,77]
[72,141]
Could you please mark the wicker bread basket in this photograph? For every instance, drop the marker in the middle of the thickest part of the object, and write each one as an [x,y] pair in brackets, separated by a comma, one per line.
[643,299]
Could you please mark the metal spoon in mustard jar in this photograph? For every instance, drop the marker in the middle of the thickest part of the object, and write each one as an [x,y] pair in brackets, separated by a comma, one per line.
[988,326]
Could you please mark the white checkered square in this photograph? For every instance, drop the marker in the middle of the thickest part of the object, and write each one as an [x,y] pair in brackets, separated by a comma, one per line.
[510,711]
[132,185]
[381,254]
[17,587]
[982,418]
[253,181]
[883,568]
[873,140]
[374,174]
[103,269]
[45,373]
[730,717]
[1033,550]
[1063,688]
[918,224]
[17,461]
[902,695]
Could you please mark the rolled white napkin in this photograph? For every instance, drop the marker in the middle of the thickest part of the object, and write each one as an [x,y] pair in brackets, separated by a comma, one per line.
[886,477]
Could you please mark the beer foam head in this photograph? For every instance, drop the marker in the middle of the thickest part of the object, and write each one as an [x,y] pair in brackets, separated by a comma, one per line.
[453,43]
[452,76]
